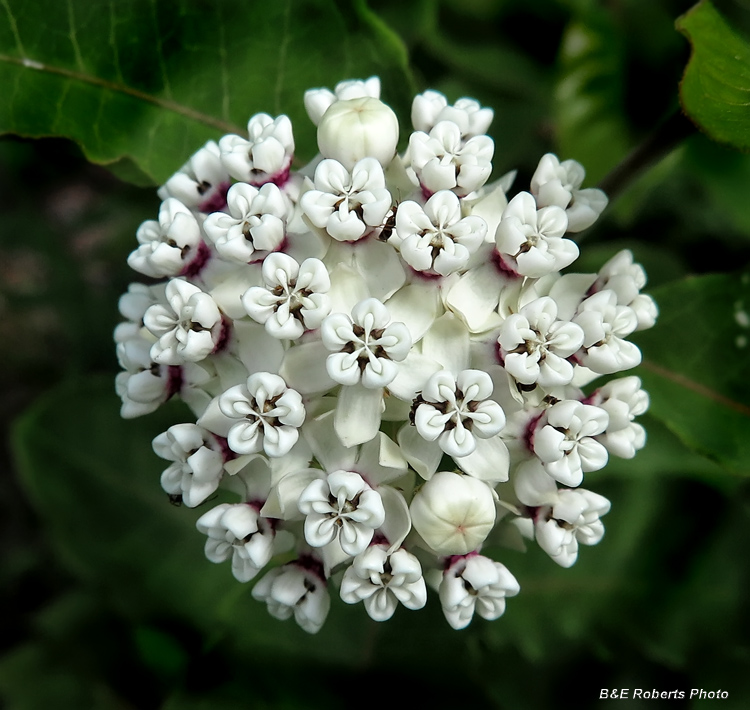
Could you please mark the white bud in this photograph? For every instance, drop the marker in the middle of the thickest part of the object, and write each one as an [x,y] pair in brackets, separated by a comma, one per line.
[358,128]
[453,513]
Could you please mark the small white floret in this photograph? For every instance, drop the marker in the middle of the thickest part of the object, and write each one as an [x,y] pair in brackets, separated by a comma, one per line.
[341,507]
[365,348]
[347,205]
[535,345]
[254,226]
[435,238]
[556,183]
[455,410]
[530,241]
[265,156]
[572,519]
[198,462]
[167,246]
[202,183]
[443,161]
[237,531]
[297,589]
[381,581]
[269,414]
[565,441]
[188,328]
[431,107]
[475,584]
[293,299]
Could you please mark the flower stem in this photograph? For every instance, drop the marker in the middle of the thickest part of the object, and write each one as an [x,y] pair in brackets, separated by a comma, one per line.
[673,131]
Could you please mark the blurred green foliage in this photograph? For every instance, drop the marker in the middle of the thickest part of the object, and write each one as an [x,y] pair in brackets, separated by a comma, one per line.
[717,79]
[113,604]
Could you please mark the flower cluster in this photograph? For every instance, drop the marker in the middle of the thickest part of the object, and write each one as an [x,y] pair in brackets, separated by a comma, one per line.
[387,370]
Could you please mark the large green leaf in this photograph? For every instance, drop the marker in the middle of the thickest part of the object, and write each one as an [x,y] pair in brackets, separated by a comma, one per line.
[697,365]
[146,83]
[715,89]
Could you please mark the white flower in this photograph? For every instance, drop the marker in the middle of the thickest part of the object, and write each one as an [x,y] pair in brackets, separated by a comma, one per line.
[265,156]
[454,410]
[377,462]
[255,225]
[269,412]
[341,506]
[189,327]
[572,519]
[366,347]
[561,519]
[381,581]
[530,241]
[293,298]
[436,238]
[442,161]
[556,183]
[475,584]
[564,440]
[202,183]
[239,531]
[535,345]
[297,589]
[358,128]
[623,400]
[606,325]
[347,205]
[168,246]
[453,513]
[431,107]
[144,385]
[626,278]
[133,305]
[198,462]
[318,101]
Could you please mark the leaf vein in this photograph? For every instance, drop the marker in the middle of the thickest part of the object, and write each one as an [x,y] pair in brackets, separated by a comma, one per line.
[164,103]
[74,38]
[113,42]
[160,52]
[697,387]
[14,28]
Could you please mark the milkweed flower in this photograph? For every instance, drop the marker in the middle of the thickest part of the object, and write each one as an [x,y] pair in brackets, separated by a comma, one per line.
[385,366]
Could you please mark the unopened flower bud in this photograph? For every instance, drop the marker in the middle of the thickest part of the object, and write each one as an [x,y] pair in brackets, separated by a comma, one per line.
[453,513]
[358,128]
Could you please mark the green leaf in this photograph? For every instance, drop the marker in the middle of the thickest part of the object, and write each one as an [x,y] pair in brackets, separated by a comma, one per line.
[150,81]
[715,89]
[665,456]
[697,365]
